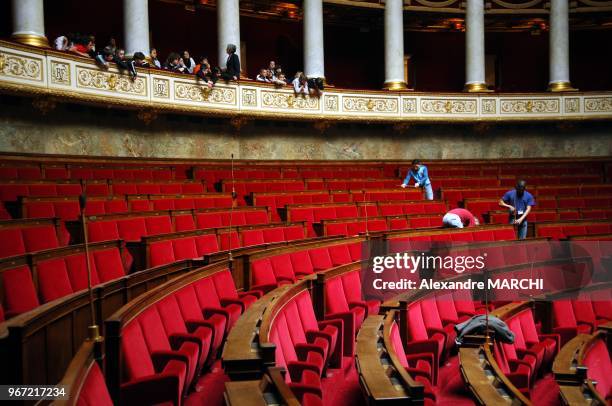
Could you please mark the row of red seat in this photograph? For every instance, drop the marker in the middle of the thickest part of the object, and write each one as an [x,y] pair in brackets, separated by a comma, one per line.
[583,314]
[13,190]
[56,275]
[540,216]
[179,246]
[166,346]
[272,271]
[212,175]
[66,172]
[464,235]
[558,231]
[132,227]
[22,236]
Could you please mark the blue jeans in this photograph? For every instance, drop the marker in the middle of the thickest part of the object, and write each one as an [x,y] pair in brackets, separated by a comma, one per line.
[428,192]
[522,228]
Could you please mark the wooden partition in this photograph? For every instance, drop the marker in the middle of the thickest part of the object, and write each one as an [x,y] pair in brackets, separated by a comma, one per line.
[272,385]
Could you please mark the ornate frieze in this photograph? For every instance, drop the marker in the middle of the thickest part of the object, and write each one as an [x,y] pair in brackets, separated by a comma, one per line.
[21,67]
[448,106]
[283,100]
[185,91]
[598,104]
[370,104]
[530,106]
[97,79]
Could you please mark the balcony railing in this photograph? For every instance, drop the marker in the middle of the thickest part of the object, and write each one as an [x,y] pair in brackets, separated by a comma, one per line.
[61,76]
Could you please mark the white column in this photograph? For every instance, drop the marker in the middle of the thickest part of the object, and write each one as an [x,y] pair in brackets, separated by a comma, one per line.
[474,47]
[394,45]
[29,22]
[559,75]
[136,26]
[314,61]
[228,28]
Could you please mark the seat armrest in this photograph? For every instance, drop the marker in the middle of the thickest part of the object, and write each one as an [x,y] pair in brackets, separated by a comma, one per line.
[209,311]
[253,292]
[228,301]
[161,358]
[348,331]
[296,368]
[303,349]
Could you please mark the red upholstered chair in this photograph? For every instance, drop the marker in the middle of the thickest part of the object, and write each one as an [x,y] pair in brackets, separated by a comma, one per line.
[275,234]
[293,233]
[53,281]
[102,231]
[210,303]
[302,265]
[283,268]
[12,243]
[150,377]
[252,237]
[532,356]
[256,217]
[229,240]
[208,220]
[19,291]
[77,271]
[226,291]
[339,254]
[565,323]
[109,265]
[206,244]
[161,253]
[158,225]
[535,341]
[519,374]
[303,378]
[158,342]
[336,229]
[351,282]
[179,333]
[337,307]
[419,366]
[433,323]
[321,261]
[262,275]
[602,304]
[194,317]
[184,248]
[94,390]
[184,222]
[132,229]
[40,238]
[420,341]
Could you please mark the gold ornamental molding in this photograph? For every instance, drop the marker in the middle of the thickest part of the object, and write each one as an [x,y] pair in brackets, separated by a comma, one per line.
[53,77]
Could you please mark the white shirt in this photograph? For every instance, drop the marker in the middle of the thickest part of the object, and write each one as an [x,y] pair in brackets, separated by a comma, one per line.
[297,86]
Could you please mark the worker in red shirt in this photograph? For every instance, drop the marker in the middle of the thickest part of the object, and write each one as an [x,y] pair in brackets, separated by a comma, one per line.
[459,218]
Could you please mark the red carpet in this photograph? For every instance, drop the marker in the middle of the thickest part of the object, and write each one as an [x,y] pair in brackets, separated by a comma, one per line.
[545,392]
[211,387]
[451,390]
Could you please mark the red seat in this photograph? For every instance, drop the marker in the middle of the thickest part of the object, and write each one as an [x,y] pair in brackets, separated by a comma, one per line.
[252,237]
[293,233]
[150,377]
[206,244]
[158,225]
[40,238]
[256,217]
[229,240]
[565,323]
[77,271]
[184,248]
[339,254]
[184,222]
[599,368]
[161,253]
[275,234]
[53,281]
[12,242]
[109,264]
[434,325]
[19,291]
[337,307]
[132,229]
[94,390]
[422,341]
[320,259]
[302,265]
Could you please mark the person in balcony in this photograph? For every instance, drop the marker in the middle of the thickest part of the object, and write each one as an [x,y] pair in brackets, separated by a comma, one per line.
[154,60]
[84,46]
[300,84]
[123,63]
[280,80]
[518,201]
[188,61]
[173,63]
[262,76]
[421,178]
[140,60]
[459,218]
[232,64]
[202,70]
[61,43]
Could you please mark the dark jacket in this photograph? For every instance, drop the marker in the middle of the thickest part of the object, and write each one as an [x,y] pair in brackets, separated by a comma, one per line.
[477,325]
[233,66]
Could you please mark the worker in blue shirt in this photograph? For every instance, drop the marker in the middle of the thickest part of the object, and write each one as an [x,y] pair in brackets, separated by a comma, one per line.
[421,178]
[518,201]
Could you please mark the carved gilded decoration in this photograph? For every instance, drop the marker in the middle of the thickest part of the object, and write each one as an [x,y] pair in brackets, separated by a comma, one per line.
[60,73]
[448,106]
[598,104]
[96,79]
[374,104]
[161,88]
[488,106]
[21,67]
[409,105]
[572,105]
[197,93]
[529,106]
[331,102]
[281,100]
[249,97]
